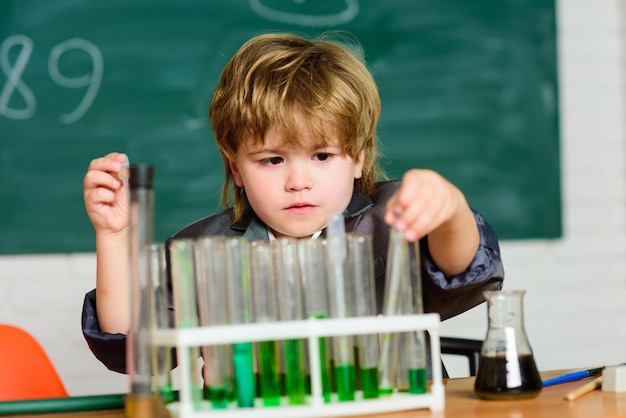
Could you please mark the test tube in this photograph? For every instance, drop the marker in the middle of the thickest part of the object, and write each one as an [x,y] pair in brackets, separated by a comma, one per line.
[397,255]
[240,312]
[213,310]
[312,256]
[361,268]
[411,375]
[140,400]
[416,347]
[160,305]
[265,310]
[289,290]
[341,307]
[181,252]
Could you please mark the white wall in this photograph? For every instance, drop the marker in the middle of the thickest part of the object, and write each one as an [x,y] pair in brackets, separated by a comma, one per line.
[576,286]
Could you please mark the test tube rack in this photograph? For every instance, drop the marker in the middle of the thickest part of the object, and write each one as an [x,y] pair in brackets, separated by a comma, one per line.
[310,330]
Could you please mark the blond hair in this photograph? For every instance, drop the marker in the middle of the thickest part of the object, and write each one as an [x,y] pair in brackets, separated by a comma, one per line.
[270,77]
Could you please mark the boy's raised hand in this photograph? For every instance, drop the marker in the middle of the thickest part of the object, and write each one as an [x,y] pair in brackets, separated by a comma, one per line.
[106,200]
[424,202]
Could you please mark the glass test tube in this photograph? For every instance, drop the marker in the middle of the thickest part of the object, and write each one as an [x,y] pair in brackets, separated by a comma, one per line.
[138,350]
[397,255]
[213,310]
[290,308]
[361,267]
[186,309]
[160,305]
[416,358]
[312,256]
[340,307]
[411,375]
[265,310]
[240,312]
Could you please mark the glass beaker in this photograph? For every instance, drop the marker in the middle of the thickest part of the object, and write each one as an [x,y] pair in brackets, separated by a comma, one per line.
[507,368]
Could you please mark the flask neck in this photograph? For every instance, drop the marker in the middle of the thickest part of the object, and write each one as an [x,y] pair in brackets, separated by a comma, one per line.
[505,309]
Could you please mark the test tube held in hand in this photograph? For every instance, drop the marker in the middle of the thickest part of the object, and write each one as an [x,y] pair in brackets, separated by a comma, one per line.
[138,347]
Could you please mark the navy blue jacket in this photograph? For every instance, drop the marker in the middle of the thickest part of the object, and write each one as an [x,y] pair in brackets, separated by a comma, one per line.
[448,296]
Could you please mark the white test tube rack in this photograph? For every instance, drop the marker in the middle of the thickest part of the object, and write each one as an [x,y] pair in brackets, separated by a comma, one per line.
[308,329]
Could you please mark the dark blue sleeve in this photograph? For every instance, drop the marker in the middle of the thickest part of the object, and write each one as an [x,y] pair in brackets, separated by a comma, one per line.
[110,349]
[455,294]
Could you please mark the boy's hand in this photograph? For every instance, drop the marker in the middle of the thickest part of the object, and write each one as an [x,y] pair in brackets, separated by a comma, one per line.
[106,200]
[424,202]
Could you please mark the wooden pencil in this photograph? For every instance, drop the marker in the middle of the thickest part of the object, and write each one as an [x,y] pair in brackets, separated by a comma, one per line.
[584,389]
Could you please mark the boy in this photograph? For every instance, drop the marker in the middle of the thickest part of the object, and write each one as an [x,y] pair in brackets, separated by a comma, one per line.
[295,121]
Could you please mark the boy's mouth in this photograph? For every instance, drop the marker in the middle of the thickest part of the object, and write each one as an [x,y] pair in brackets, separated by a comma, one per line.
[300,207]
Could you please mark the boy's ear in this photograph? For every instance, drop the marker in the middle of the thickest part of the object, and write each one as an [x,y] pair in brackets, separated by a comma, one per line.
[235,172]
[358,165]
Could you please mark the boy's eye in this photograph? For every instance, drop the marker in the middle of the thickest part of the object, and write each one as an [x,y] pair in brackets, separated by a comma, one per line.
[322,156]
[272,160]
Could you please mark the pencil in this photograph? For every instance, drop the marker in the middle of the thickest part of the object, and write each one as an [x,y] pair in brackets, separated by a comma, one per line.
[584,389]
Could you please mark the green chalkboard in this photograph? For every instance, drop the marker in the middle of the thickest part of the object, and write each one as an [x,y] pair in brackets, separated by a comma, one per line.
[468,88]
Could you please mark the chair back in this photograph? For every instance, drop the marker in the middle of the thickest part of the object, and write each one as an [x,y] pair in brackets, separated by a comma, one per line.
[26,371]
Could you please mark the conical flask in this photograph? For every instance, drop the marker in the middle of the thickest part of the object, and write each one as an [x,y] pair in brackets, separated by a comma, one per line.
[507,368]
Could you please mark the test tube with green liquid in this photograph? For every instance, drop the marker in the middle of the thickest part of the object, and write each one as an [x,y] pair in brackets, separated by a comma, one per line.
[411,376]
[341,307]
[160,305]
[186,308]
[265,310]
[312,257]
[416,344]
[290,308]
[361,268]
[239,297]
[213,310]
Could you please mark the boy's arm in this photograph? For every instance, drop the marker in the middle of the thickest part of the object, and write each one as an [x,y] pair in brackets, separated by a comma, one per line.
[454,243]
[112,282]
[107,205]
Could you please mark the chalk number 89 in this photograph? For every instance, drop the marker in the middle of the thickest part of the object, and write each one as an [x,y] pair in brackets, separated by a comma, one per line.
[14,84]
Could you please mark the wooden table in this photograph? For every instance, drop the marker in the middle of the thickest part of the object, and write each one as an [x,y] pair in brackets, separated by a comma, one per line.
[461,402]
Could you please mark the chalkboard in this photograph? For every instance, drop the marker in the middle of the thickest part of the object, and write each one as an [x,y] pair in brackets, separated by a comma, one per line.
[468,88]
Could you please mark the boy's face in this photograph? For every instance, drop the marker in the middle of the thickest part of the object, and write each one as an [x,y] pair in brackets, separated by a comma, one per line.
[295,189]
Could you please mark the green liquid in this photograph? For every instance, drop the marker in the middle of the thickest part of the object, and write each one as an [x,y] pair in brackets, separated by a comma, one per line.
[166,393]
[295,380]
[218,395]
[417,381]
[369,382]
[344,376]
[268,369]
[244,374]
[385,391]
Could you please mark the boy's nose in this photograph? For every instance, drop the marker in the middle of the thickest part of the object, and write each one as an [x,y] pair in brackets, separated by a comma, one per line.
[298,179]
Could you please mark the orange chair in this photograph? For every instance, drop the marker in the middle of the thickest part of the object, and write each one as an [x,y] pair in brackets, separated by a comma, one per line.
[26,371]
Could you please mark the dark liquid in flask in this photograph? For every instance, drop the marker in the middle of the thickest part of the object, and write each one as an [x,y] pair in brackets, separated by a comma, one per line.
[499,378]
